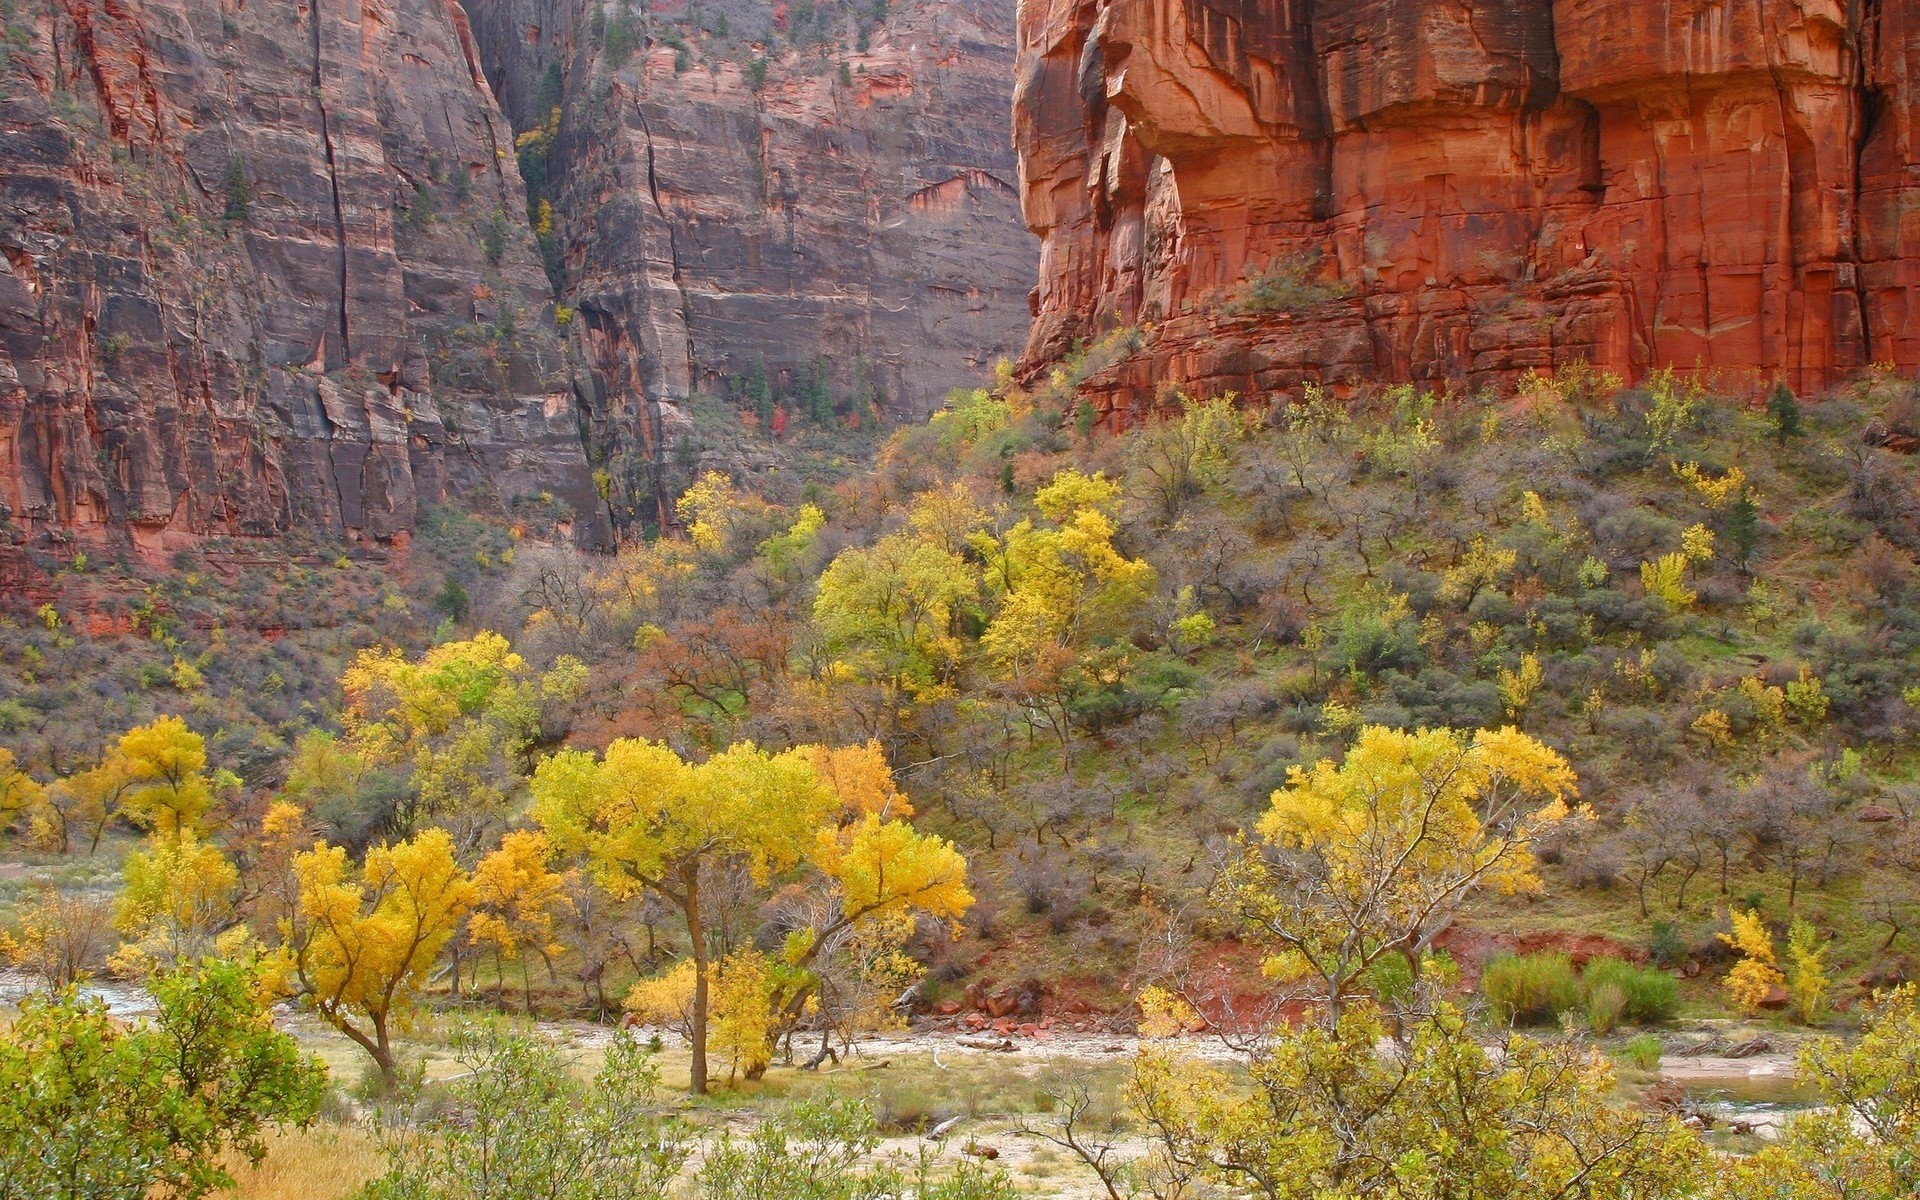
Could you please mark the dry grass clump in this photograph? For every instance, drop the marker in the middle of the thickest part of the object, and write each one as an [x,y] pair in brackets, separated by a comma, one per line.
[327,1162]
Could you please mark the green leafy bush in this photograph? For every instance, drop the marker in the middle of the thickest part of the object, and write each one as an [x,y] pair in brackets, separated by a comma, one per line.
[1641,1052]
[1531,989]
[1605,1004]
[1650,995]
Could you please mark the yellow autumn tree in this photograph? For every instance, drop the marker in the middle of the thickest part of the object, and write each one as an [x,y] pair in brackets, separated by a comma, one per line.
[648,821]
[1664,579]
[20,793]
[1482,565]
[1756,975]
[358,945]
[741,996]
[1808,979]
[1059,579]
[1375,854]
[177,902]
[462,717]
[889,613]
[161,776]
[516,898]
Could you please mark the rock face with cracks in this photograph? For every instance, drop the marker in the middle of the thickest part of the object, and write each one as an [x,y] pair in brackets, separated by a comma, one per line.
[270,269]
[264,271]
[813,211]
[1462,190]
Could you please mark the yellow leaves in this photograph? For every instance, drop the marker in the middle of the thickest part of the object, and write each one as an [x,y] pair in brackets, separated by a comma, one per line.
[1664,579]
[1696,543]
[712,510]
[1714,493]
[895,605]
[783,551]
[392,702]
[1164,1013]
[179,892]
[947,517]
[1714,731]
[1808,698]
[1755,976]
[19,791]
[1061,584]
[641,813]
[860,776]
[1534,510]
[1808,981]
[1071,493]
[516,896]
[743,1019]
[743,1016]
[664,999]
[364,945]
[1391,840]
[162,768]
[1482,565]
[884,867]
[1518,686]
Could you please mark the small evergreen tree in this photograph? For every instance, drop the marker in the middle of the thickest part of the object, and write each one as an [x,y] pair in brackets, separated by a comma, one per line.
[239,196]
[1784,411]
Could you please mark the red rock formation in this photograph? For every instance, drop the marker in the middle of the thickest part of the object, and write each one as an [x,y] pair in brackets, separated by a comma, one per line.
[834,204]
[263,271]
[1461,190]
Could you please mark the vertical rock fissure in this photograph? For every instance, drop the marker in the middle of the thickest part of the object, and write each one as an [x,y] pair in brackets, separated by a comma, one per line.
[333,179]
[673,241]
[1866,42]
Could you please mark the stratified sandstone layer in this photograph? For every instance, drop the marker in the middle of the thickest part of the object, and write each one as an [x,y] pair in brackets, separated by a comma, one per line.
[828,204]
[1462,190]
[264,270]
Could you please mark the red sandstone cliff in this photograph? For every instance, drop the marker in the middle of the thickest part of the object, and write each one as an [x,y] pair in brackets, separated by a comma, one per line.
[263,271]
[1471,188]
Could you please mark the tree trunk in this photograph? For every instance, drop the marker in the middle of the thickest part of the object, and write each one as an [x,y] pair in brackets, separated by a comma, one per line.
[696,934]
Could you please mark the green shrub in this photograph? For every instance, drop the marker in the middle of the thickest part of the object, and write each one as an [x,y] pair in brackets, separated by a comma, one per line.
[1666,947]
[1286,285]
[1391,979]
[1650,994]
[1641,1052]
[1605,1005]
[1531,989]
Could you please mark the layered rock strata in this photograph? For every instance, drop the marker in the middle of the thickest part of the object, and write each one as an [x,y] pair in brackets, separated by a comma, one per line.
[264,271]
[808,208]
[1463,190]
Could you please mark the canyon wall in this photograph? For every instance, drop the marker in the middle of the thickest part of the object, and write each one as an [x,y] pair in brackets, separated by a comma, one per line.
[273,268]
[264,271]
[1462,190]
[804,209]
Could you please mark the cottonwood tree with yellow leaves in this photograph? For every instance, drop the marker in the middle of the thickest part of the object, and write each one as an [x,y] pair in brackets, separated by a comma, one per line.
[178,905]
[1358,861]
[463,718]
[517,897]
[1060,590]
[647,820]
[356,946]
[19,791]
[1373,856]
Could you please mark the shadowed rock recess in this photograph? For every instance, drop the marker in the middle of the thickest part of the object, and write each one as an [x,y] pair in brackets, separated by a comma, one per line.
[1275,191]
[271,268]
